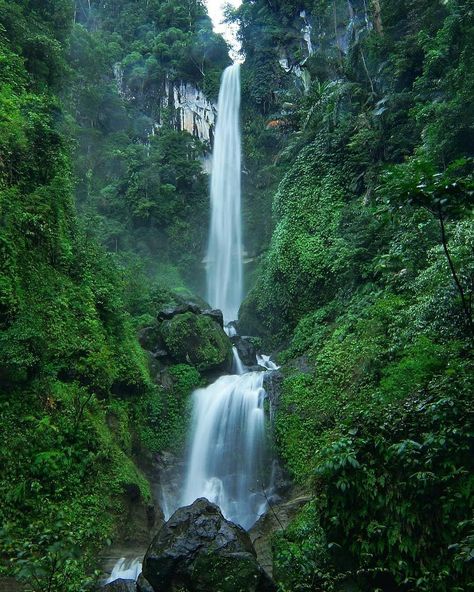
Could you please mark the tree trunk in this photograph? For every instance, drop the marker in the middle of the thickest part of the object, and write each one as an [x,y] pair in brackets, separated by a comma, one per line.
[377,16]
[466,304]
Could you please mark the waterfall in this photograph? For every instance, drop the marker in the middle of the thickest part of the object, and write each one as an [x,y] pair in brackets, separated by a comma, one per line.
[125,569]
[227,454]
[224,255]
[228,461]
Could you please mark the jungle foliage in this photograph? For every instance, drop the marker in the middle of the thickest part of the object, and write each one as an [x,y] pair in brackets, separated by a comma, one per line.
[78,406]
[141,187]
[357,120]
[366,286]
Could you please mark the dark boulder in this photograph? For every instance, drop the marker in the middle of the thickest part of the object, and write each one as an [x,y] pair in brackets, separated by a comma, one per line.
[143,585]
[120,586]
[246,350]
[171,311]
[198,550]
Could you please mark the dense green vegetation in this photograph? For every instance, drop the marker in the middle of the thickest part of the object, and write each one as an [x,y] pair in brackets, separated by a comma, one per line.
[358,178]
[141,189]
[78,405]
[366,288]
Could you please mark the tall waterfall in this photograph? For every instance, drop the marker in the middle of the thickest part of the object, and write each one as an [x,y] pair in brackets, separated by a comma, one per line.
[226,461]
[224,256]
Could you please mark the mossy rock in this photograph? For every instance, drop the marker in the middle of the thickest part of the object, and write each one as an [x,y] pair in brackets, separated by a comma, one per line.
[197,340]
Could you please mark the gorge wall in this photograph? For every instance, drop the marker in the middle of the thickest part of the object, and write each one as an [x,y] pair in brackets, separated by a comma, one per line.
[143,102]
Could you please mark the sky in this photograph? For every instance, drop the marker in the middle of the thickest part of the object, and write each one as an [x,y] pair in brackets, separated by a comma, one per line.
[215,8]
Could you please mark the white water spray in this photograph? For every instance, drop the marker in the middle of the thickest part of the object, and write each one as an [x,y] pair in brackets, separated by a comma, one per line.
[227,456]
[125,569]
[224,255]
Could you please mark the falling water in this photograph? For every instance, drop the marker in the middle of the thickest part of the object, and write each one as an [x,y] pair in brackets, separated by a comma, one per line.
[227,460]
[224,256]
[228,447]
[237,366]
[125,569]
[227,454]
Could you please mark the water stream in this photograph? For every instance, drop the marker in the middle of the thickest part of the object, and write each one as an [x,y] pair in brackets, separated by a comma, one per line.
[224,255]
[227,451]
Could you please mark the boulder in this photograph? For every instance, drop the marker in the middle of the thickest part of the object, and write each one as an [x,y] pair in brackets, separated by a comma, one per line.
[149,338]
[198,550]
[120,586]
[170,312]
[197,340]
[216,315]
[246,350]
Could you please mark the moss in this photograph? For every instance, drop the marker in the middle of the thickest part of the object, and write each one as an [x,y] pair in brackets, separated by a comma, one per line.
[307,248]
[241,573]
[66,472]
[300,552]
[197,340]
[162,415]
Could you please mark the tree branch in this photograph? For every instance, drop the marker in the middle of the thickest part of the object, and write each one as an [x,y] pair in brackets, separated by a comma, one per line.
[465,304]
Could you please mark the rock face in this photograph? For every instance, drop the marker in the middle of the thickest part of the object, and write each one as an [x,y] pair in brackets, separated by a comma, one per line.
[246,349]
[198,340]
[273,383]
[279,517]
[198,550]
[120,586]
[143,585]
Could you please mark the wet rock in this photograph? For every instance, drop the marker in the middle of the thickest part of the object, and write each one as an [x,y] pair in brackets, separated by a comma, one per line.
[198,550]
[197,340]
[232,328]
[246,350]
[277,518]
[170,312]
[256,368]
[143,585]
[273,383]
[281,483]
[170,471]
[120,586]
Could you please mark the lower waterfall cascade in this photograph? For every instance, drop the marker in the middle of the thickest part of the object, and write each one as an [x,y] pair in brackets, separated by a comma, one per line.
[228,451]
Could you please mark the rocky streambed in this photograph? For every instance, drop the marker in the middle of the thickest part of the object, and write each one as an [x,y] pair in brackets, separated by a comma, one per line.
[198,550]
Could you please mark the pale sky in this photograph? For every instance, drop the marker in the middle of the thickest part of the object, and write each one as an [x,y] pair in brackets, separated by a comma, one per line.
[215,8]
